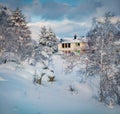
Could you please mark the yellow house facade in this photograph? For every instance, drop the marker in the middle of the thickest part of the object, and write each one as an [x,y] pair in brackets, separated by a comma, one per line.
[75,45]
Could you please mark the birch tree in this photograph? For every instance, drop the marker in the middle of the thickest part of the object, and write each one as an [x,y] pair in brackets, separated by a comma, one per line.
[103,57]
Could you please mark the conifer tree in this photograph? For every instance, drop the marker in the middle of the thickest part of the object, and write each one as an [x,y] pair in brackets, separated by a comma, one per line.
[48,38]
[22,33]
[6,30]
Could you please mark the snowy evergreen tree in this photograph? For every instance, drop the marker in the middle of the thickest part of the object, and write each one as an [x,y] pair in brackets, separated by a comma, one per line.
[48,38]
[22,33]
[7,42]
[43,36]
[104,58]
[5,27]
[14,33]
[45,47]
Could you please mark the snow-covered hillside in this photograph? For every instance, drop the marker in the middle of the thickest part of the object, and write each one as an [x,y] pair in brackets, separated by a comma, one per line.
[18,94]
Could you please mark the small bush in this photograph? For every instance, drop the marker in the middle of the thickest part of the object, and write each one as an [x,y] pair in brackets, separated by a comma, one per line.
[51,78]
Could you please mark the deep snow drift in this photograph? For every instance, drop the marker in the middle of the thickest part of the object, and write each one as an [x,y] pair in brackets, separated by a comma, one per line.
[18,94]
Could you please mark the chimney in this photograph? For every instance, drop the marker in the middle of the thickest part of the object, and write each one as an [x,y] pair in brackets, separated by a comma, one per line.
[75,36]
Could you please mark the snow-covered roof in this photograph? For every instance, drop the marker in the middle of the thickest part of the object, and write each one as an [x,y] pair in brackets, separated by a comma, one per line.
[69,40]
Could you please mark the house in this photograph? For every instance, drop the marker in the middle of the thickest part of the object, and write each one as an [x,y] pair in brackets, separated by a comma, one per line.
[73,45]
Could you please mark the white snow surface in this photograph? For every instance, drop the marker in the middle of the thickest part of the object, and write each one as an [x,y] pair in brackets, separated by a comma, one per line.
[18,94]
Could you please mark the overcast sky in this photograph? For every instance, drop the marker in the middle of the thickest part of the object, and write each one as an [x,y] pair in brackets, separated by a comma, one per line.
[66,17]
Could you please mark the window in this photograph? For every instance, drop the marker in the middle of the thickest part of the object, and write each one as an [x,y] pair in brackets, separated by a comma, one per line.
[65,45]
[69,51]
[62,45]
[77,44]
[68,45]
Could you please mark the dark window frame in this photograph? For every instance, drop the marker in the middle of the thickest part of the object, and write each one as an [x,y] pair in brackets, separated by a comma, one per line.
[63,46]
[78,44]
[69,45]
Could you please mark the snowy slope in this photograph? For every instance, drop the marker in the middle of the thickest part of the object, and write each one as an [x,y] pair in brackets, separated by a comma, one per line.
[18,94]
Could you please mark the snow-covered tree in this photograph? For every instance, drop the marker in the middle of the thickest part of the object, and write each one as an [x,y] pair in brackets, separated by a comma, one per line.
[48,38]
[45,47]
[103,57]
[43,36]
[20,25]
[14,33]
[5,27]
[22,33]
